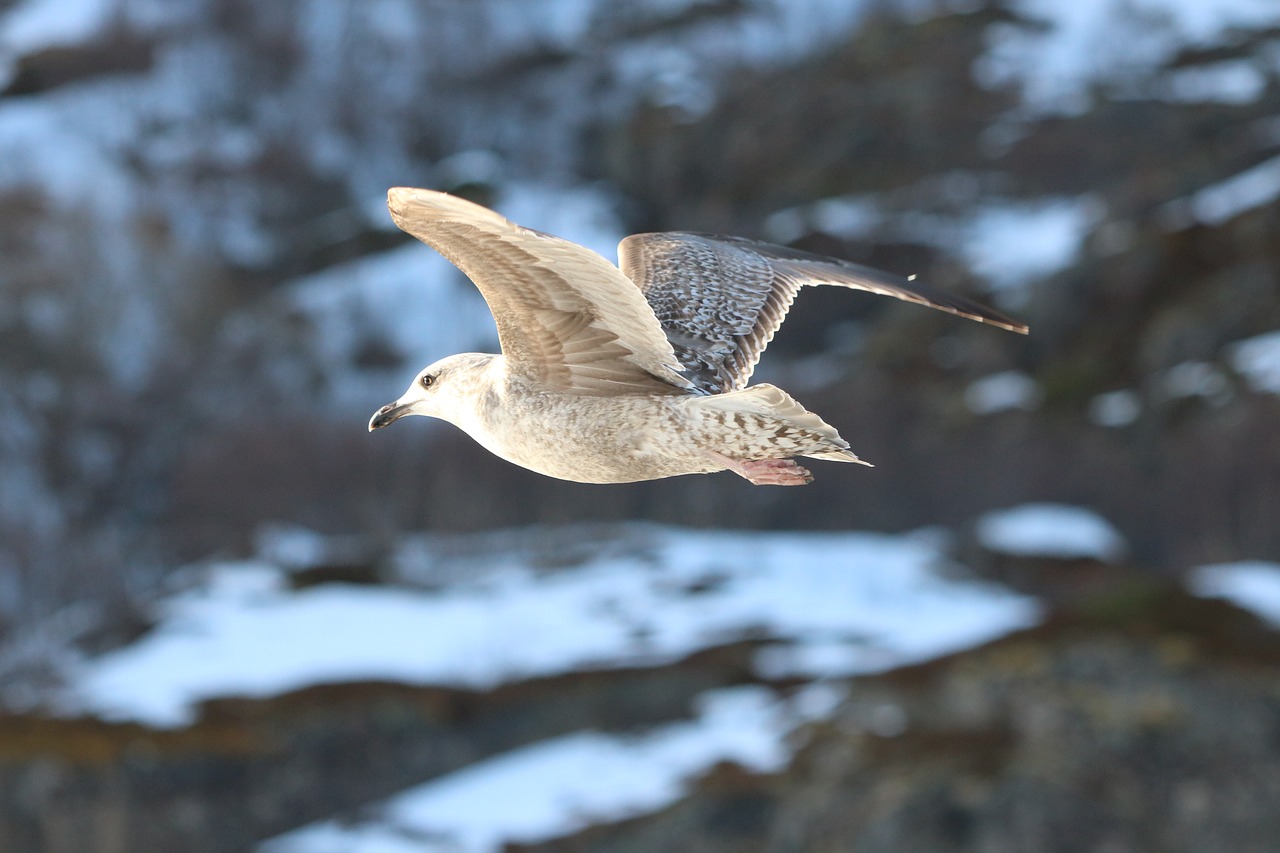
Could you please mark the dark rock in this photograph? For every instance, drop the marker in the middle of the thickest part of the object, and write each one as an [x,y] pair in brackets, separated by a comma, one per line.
[1152,726]
[248,769]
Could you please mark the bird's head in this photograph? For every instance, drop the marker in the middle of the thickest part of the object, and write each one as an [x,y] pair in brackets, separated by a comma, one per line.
[443,390]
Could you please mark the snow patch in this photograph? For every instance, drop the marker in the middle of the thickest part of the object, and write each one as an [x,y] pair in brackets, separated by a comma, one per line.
[45,145]
[38,24]
[1115,408]
[1227,199]
[1000,392]
[1071,47]
[1195,379]
[1258,360]
[409,299]
[1234,82]
[1051,530]
[564,785]
[879,601]
[849,217]
[1014,244]
[1252,585]
[1010,243]
[582,215]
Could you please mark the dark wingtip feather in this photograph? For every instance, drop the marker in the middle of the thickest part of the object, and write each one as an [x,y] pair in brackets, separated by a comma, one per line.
[952,303]
[974,311]
[906,286]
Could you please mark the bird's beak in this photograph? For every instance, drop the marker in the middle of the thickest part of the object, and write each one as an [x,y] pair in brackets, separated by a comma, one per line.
[388,413]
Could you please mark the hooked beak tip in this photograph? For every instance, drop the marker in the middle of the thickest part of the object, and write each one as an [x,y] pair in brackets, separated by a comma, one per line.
[386,415]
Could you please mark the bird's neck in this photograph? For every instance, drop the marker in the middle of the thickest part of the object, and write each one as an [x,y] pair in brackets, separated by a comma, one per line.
[476,390]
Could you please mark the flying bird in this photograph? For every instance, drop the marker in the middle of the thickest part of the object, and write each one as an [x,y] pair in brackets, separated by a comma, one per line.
[614,374]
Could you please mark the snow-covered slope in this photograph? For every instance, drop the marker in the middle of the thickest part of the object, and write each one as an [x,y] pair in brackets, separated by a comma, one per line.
[198,278]
[481,611]
[559,787]
[1251,584]
[835,605]
[1124,46]
[1051,530]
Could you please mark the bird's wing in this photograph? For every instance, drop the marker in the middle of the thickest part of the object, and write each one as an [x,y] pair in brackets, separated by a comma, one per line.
[566,317]
[720,299]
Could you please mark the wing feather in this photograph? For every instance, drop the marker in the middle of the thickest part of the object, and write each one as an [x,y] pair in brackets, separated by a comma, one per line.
[721,299]
[566,317]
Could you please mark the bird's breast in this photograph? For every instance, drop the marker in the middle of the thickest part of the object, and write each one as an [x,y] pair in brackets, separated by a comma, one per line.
[585,439]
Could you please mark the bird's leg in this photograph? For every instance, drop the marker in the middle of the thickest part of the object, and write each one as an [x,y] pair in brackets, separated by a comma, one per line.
[765,472]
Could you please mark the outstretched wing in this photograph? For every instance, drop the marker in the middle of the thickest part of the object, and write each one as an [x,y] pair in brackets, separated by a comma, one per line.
[566,317]
[720,299]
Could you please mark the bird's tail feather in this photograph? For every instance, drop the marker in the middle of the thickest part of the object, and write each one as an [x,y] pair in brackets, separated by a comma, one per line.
[772,401]
[839,456]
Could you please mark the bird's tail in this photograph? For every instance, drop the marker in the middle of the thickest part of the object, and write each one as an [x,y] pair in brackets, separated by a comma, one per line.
[772,402]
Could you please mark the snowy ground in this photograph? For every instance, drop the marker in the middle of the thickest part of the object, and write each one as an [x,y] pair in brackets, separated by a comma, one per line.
[1117,44]
[1252,585]
[1009,244]
[999,392]
[839,604]
[1258,359]
[563,785]
[1051,530]
[560,786]
[483,609]
[478,610]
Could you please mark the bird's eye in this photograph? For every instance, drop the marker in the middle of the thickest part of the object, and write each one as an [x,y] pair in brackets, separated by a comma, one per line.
[428,380]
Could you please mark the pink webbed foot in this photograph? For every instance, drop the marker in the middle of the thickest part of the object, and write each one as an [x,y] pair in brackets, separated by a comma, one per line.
[774,472]
[767,472]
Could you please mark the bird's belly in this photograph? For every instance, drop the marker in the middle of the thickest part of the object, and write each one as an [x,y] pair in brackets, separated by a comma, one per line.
[599,440]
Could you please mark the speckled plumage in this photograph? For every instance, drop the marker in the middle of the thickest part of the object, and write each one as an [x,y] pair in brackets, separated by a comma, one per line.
[616,374]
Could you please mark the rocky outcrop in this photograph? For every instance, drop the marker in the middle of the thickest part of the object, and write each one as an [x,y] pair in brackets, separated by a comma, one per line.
[249,769]
[1144,720]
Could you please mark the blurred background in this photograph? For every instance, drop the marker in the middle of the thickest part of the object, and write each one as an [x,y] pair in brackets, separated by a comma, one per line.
[231,619]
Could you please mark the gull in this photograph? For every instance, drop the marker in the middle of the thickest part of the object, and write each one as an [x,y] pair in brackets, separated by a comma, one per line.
[615,374]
